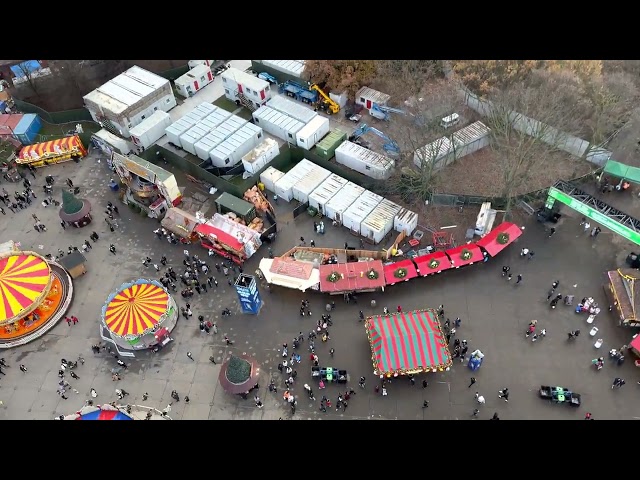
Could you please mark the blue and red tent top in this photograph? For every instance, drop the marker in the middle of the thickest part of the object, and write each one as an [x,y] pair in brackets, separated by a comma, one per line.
[100,414]
[407,342]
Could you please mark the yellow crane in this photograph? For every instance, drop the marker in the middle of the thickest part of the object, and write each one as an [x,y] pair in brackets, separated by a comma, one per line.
[330,105]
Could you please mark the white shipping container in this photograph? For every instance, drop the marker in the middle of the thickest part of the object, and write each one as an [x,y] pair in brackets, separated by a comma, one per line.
[406,221]
[309,183]
[340,99]
[189,138]
[203,109]
[194,80]
[325,192]
[365,161]
[260,156]
[284,186]
[368,96]
[269,178]
[195,63]
[231,151]
[295,68]
[150,130]
[313,132]
[359,210]
[277,124]
[237,82]
[208,142]
[292,109]
[177,128]
[342,200]
[380,221]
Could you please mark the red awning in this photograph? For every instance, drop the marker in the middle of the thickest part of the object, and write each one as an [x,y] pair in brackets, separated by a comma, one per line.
[161,334]
[222,237]
[352,277]
[390,270]
[635,344]
[455,254]
[490,241]
[423,263]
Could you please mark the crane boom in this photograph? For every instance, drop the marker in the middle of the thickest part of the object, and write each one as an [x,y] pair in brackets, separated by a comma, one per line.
[389,146]
[333,106]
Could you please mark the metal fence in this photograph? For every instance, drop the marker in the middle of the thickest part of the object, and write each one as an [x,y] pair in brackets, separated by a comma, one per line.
[300,209]
[66,116]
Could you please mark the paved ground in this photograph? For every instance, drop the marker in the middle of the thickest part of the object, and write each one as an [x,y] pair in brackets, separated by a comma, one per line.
[494,315]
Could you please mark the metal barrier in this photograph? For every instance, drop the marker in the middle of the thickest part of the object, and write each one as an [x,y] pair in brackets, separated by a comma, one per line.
[300,209]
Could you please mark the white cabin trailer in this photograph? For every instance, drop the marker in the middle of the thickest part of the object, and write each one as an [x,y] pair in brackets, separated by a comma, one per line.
[194,80]
[342,200]
[230,152]
[189,138]
[367,97]
[433,153]
[406,221]
[260,156]
[292,109]
[380,221]
[471,139]
[284,186]
[308,184]
[313,132]
[295,68]
[202,110]
[277,124]
[359,210]
[195,63]
[326,191]
[150,130]
[236,82]
[269,178]
[129,98]
[218,135]
[365,161]
[206,143]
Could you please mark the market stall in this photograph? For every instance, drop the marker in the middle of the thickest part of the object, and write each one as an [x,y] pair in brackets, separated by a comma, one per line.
[401,271]
[223,244]
[407,343]
[181,223]
[431,263]
[621,294]
[464,255]
[343,278]
[54,151]
[75,263]
[499,238]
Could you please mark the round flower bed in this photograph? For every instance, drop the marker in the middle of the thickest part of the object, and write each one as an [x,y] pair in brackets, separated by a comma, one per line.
[400,273]
[334,277]
[503,238]
[372,275]
[466,255]
[433,264]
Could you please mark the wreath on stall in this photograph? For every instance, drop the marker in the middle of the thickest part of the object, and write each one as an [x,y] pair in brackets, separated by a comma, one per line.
[433,264]
[333,277]
[503,238]
[372,274]
[466,255]
[400,273]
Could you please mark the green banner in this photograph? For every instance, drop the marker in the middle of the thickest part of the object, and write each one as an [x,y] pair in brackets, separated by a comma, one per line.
[595,215]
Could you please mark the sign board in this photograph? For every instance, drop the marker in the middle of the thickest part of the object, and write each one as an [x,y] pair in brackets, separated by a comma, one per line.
[249,296]
[594,214]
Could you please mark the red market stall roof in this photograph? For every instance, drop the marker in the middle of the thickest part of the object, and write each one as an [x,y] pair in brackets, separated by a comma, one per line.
[53,148]
[407,342]
[353,277]
[289,268]
[389,271]
[635,344]
[455,254]
[423,263]
[222,237]
[490,241]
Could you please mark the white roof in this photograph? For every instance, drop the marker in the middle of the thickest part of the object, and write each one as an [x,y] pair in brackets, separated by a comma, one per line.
[312,180]
[327,189]
[180,126]
[345,197]
[148,123]
[366,156]
[363,205]
[271,172]
[435,150]
[126,89]
[194,74]
[255,153]
[274,117]
[471,133]
[373,95]
[287,281]
[383,214]
[294,67]
[235,141]
[246,80]
[292,109]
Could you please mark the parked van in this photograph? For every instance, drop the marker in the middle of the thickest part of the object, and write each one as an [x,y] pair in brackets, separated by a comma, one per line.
[450,121]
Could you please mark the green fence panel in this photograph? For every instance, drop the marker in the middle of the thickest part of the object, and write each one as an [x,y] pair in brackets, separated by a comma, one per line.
[175,72]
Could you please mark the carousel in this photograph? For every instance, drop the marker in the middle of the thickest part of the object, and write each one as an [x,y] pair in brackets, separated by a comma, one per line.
[139,315]
[35,294]
[112,411]
[407,343]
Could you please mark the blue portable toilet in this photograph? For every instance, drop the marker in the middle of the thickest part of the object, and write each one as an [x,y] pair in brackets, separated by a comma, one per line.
[28,128]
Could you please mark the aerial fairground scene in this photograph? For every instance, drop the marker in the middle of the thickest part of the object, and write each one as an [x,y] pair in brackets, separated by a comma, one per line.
[319,239]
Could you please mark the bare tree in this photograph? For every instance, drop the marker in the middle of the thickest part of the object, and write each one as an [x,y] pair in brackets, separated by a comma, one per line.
[29,76]
[72,71]
[425,146]
[406,78]
[341,75]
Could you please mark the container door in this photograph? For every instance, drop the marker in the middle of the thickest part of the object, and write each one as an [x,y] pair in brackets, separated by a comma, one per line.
[210,75]
[195,85]
[262,95]
[368,104]
[239,88]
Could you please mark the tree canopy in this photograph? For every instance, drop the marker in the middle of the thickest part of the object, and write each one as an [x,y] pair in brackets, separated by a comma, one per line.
[341,75]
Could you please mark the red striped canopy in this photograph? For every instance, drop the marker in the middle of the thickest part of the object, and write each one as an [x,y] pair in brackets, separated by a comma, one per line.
[61,146]
[407,342]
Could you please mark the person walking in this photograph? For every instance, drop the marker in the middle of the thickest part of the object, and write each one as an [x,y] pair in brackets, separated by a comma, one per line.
[190,356]
[504,394]
[473,381]
[519,279]
[552,231]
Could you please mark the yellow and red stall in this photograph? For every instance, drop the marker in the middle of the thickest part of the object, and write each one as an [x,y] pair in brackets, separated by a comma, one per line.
[53,151]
